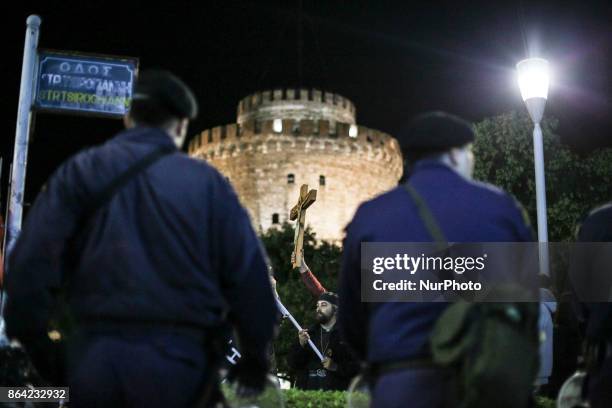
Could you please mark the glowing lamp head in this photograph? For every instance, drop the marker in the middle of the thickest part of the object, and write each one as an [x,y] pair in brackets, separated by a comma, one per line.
[533,78]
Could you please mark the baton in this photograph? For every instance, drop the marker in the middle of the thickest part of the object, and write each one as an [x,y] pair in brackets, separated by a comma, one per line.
[286,313]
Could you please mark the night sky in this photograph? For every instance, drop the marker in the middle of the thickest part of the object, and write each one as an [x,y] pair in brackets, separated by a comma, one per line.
[392,59]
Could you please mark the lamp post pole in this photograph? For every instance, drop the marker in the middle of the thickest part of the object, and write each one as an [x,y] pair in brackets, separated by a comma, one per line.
[538,156]
[533,82]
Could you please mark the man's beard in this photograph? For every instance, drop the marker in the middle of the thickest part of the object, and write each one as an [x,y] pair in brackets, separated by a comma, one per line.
[323,318]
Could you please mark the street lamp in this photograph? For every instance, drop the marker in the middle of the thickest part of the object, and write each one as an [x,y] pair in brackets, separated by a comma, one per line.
[533,77]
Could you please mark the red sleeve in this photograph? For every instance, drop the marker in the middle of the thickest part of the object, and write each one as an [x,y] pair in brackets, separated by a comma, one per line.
[312,283]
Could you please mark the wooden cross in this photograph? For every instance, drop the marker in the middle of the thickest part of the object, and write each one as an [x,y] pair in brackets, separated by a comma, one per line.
[298,212]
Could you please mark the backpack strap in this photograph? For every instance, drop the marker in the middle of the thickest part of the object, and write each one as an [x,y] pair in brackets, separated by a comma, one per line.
[427,217]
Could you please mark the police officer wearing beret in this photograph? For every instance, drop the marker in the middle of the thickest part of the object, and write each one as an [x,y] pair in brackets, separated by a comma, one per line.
[393,337]
[592,277]
[153,253]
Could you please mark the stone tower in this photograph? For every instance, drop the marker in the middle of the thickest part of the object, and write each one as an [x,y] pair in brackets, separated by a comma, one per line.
[286,138]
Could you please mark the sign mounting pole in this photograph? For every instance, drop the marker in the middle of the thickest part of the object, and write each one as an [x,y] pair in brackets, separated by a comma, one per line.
[20,153]
[22,134]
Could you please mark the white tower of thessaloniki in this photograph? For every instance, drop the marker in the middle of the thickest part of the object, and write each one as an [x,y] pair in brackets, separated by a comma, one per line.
[285,138]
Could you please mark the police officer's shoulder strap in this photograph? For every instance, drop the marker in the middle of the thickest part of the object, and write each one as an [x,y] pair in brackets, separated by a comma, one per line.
[104,196]
[426,216]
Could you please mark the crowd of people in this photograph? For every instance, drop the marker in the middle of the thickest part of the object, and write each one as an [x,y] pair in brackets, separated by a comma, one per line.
[158,264]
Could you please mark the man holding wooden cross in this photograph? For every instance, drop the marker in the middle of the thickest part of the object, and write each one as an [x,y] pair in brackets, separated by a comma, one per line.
[338,365]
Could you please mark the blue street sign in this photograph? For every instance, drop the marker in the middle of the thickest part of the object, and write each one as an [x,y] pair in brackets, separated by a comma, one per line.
[85,84]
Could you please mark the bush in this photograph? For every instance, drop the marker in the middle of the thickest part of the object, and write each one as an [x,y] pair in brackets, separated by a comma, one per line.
[314,399]
[335,399]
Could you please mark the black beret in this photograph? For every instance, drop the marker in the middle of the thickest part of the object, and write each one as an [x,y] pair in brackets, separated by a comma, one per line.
[330,297]
[435,131]
[168,90]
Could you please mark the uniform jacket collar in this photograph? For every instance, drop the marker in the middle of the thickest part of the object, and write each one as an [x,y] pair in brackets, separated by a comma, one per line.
[147,135]
[432,165]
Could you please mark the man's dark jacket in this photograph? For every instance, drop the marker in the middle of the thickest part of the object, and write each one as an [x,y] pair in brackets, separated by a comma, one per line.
[304,361]
[173,247]
[465,210]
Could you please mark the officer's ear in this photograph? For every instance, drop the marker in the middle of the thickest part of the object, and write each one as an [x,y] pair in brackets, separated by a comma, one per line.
[128,122]
[453,156]
[177,129]
[462,159]
[182,126]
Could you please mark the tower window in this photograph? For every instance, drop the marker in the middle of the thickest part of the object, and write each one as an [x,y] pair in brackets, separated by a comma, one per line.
[277,125]
[290,179]
[275,218]
[321,180]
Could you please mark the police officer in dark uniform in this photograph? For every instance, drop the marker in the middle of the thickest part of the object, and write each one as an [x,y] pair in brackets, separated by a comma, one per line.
[592,273]
[437,150]
[153,253]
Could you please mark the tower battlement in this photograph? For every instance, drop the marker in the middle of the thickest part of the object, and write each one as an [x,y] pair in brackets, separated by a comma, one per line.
[304,128]
[296,104]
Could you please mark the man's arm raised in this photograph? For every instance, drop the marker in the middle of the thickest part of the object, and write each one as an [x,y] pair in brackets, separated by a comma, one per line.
[309,279]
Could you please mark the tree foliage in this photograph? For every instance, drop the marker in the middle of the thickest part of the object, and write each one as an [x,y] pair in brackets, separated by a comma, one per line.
[574,184]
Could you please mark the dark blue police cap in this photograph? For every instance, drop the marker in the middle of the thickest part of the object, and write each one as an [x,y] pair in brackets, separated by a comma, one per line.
[435,131]
[167,90]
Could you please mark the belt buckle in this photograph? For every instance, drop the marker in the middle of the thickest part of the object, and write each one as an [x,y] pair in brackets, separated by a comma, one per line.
[319,372]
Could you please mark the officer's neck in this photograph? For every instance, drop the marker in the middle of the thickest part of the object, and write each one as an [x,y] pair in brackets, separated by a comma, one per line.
[175,129]
[330,324]
[448,162]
